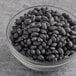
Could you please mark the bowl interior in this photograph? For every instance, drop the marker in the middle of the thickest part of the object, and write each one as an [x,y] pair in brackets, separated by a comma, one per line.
[21,13]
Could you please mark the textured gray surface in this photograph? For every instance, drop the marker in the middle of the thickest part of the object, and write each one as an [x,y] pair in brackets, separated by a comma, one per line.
[9,66]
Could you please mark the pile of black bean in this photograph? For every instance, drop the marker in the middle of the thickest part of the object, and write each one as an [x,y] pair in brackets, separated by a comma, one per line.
[44,35]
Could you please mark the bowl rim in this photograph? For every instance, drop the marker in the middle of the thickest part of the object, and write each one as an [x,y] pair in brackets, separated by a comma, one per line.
[33,62]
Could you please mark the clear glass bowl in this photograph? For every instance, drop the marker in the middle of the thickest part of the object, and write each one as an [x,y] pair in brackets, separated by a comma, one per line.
[31,63]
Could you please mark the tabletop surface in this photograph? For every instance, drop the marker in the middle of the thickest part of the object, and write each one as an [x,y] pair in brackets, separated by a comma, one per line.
[9,65]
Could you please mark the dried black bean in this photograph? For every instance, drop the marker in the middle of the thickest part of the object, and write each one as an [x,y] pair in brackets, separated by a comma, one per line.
[18,48]
[44,44]
[27,21]
[52,28]
[54,44]
[60,44]
[38,18]
[60,50]
[48,52]
[38,52]
[43,51]
[32,52]
[19,31]
[15,35]
[33,47]
[22,43]
[41,58]
[54,51]
[50,57]
[28,42]
[73,32]
[18,21]
[44,26]
[43,31]
[36,43]
[44,18]
[55,32]
[40,39]
[54,39]
[62,31]
[65,15]
[50,42]
[34,34]
[40,47]
[34,39]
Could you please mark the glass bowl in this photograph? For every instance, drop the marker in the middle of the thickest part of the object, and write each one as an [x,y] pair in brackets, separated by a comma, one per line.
[29,62]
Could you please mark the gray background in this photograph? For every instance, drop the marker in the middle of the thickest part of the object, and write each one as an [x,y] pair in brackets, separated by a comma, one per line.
[10,66]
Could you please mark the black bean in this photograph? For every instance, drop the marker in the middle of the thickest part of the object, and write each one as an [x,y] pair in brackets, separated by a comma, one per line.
[38,52]
[44,26]
[50,57]
[53,38]
[34,34]
[40,47]
[54,44]
[34,39]
[18,48]
[35,12]
[40,39]
[28,42]
[60,44]
[18,21]
[36,43]
[19,31]
[41,58]
[32,52]
[28,53]
[55,32]
[54,51]
[43,31]
[43,36]
[48,14]
[57,56]
[25,32]
[34,57]
[51,28]
[68,30]
[74,41]
[44,18]
[27,21]
[60,51]
[43,44]
[67,53]
[34,30]
[56,18]
[52,48]
[22,43]
[50,42]
[22,52]
[48,52]
[38,24]
[65,15]
[15,35]
[73,36]
[74,47]
[62,31]
[43,51]
[70,43]
[33,47]
[55,59]
[73,32]
[25,37]
[38,18]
